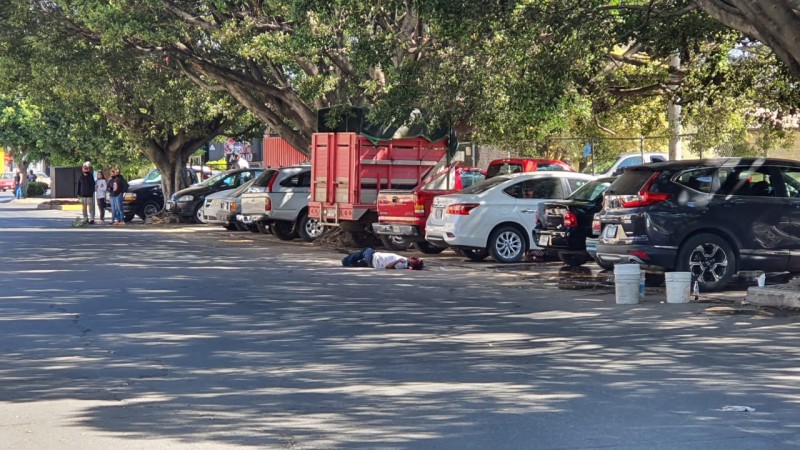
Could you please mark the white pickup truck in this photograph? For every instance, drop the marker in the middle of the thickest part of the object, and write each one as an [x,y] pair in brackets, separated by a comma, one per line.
[283,204]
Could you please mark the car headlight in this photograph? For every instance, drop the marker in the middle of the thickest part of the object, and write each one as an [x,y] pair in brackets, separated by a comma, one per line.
[185,198]
[129,196]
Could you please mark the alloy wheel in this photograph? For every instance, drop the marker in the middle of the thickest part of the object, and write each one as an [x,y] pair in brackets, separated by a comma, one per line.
[508,244]
[708,263]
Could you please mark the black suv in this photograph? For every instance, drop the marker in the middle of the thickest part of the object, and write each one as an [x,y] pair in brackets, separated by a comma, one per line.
[147,198]
[189,202]
[709,217]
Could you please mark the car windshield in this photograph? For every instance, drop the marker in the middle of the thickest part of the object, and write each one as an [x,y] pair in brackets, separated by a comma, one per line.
[154,176]
[591,190]
[484,185]
[8,176]
[214,179]
[236,193]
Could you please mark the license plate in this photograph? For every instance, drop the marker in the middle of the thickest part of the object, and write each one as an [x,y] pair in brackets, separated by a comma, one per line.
[437,213]
[611,231]
[544,241]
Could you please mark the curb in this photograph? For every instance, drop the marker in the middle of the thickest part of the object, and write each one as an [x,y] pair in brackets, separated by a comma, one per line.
[775,296]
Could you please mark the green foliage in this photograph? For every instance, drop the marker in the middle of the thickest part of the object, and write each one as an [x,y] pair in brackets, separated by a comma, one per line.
[36,188]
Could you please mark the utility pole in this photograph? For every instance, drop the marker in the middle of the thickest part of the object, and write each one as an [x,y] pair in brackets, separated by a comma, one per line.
[674,114]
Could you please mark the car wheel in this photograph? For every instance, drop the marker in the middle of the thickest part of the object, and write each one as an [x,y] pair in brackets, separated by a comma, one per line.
[574,259]
[231,227]
[394,242]
[309,229]
[475,254]
[240,226]
[283,230]
[198,214]
[149,209]
[252,228]
[263,228]
[428,248]
[710,259]
[507,245]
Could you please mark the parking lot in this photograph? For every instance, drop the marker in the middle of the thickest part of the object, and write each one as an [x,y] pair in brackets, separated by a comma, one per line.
[181,336]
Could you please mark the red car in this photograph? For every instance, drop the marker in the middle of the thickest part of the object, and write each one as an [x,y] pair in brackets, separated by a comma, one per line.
[7,182]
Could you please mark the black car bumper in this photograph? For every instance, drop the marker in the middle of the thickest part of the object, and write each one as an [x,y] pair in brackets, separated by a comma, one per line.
[184,209]
[560,240]
[645,255]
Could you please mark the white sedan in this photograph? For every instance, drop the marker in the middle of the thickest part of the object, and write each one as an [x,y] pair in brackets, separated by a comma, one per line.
[497,216]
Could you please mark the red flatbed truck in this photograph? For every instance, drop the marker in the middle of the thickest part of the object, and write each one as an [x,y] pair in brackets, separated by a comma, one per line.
[348,171]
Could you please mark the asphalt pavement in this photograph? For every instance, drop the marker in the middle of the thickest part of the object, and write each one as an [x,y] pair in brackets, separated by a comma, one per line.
[193,337]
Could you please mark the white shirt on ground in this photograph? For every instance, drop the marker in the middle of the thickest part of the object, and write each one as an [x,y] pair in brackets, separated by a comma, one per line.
[381,259]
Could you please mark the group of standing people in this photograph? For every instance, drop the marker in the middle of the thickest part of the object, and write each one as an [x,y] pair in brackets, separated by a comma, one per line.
[102,192]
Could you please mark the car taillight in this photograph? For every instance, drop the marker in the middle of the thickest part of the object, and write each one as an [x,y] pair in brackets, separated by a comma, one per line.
[462,209]
[570,220]
[596,227]
[419,209]
[267,204]
[271,182]
[645,197]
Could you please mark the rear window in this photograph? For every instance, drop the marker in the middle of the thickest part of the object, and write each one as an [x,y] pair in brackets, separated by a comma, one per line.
[591,190]
[550,167]
[699,180]
[503,169]
[265,177]
[630,182]
[484,185]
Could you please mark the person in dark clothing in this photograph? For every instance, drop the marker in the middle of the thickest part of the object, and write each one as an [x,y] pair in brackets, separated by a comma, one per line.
[18,184]
[117,187]
[86,192]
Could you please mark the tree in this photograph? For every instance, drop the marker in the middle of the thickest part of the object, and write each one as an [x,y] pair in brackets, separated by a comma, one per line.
[776,23]
[155,111]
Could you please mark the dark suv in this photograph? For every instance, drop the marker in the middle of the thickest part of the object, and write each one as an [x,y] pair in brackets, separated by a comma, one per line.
[711,217]
[189,202]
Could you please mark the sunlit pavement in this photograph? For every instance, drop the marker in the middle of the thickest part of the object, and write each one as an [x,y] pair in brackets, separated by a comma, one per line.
[194,337]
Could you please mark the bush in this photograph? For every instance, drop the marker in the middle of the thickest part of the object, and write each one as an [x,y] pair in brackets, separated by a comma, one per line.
[36,188]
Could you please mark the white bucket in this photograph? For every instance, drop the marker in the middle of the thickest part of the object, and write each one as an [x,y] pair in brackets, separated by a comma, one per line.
[626,283]
[679,286]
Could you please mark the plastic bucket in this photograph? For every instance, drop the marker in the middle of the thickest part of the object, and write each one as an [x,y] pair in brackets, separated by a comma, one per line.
[679,286]
[626,283]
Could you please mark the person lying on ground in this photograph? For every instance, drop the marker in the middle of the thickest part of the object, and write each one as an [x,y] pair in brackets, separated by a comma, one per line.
[368,257]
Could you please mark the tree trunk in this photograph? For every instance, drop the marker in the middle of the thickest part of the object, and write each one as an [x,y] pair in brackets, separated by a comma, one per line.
[776,23]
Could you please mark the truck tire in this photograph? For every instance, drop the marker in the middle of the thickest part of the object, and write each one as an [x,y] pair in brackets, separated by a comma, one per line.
[252,228]
[394,242]
[428,248]
[149,209]
[309,229]
[240,226]
[284,230]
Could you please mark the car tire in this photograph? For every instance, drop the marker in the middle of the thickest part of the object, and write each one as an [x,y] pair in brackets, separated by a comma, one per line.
[240,226]
[710,259]
[263,228]
[231,227]
[507,245]
[428,248]
[149,209]
[128,217]
[284,230]
[574,259]
[309,229]
[252,228]
[198,214]
[395,242]
[474,254]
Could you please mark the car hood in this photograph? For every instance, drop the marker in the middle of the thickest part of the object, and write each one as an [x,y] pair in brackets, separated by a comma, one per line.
[143,186]
[196,190]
